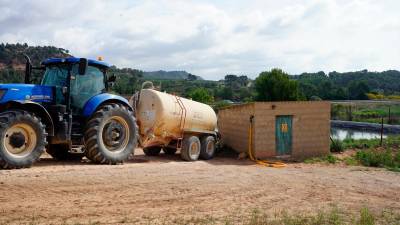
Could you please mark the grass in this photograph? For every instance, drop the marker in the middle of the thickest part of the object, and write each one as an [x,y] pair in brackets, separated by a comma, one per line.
[336,146]
[366,218]
[360,144]
[332,216]
[380,158]
[331,159]
[369,153]
[351,161]
[389,142]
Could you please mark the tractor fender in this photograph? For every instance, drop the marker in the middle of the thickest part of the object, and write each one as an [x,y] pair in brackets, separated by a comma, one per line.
[94,102]
[32,107]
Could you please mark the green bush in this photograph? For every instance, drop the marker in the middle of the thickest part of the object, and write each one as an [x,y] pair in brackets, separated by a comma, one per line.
[397,157]
[336,146]
[392,141]
[331,159]
[201,95]
[376,158]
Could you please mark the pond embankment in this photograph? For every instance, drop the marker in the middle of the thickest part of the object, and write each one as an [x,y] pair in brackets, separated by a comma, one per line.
[374,127]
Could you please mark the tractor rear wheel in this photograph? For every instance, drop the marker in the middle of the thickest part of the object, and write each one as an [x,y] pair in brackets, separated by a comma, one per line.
[190,148]
[111,134]
[152,151]
[22,139]
[61,153]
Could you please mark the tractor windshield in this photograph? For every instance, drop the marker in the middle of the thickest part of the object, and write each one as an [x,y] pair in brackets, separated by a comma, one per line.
[55,75]
[83,87]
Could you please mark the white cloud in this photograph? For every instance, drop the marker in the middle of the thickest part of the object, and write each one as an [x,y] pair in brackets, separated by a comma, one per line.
[213,39]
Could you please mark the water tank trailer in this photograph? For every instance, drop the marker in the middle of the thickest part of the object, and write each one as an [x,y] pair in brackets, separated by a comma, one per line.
[171,123]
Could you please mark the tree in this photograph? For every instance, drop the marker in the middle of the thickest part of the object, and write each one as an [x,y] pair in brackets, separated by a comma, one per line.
[358,90]
[201,95]
[127,80]
[275,85]
[225,93]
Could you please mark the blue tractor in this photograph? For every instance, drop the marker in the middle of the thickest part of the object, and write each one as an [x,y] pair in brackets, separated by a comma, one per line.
[69,115]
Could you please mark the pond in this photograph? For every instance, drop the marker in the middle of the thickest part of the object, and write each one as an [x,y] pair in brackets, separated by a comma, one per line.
[343,133]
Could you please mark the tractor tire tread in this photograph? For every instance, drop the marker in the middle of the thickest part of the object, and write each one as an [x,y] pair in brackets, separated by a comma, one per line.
[19,115]
[91,136]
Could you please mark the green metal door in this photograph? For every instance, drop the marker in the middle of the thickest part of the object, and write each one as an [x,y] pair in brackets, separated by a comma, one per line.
[283,135]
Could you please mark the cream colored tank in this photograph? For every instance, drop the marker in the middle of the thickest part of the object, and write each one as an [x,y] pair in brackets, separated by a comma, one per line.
[161,117]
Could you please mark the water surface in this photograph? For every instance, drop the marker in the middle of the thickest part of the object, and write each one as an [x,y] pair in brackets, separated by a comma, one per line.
[344,133]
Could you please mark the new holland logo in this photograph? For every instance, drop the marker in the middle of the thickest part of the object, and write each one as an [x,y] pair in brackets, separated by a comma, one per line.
[38,97]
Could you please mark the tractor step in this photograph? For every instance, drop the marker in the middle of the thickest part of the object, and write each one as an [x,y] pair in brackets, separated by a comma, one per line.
[77,149]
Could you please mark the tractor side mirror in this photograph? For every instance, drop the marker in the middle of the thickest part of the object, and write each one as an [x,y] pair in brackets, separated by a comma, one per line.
[83,64]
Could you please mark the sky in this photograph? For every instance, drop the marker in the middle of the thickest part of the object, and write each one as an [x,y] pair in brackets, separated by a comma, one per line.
[214,38]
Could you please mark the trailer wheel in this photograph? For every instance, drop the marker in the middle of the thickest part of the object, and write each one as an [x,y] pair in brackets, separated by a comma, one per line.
[190,148]
[152,151]
[61,153]
[111,134]
[207,147]
[22,139]
[169,151]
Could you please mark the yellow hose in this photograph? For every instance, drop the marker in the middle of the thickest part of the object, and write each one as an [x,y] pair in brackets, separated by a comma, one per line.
[250,152]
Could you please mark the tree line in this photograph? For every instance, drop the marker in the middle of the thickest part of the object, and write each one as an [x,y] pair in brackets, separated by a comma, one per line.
[272,85]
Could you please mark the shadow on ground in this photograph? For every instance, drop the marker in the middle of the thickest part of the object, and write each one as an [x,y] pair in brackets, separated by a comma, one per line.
[222,157]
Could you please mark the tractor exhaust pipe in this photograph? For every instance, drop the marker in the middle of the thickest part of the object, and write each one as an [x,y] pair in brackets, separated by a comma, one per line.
[28,69]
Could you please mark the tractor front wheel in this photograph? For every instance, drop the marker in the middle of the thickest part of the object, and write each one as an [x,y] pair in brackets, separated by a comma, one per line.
[22,139]
[111,134]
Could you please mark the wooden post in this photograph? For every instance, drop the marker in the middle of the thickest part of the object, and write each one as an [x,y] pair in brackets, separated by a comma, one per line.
[349,113]
[389,119]
[382,131]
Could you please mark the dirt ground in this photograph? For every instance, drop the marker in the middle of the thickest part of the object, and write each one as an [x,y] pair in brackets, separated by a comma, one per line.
[164,188]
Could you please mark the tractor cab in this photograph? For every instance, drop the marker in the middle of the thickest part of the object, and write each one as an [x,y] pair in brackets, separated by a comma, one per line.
[87,78]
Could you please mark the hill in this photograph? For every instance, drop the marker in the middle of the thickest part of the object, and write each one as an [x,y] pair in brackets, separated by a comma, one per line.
[11,55]
[170,75]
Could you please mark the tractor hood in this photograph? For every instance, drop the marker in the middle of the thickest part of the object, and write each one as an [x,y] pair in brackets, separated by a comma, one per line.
[21,92]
